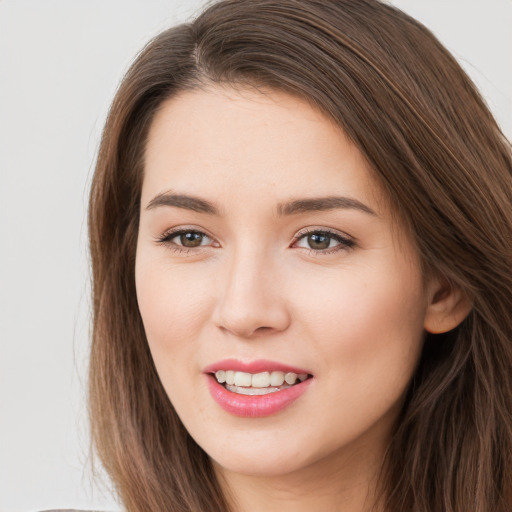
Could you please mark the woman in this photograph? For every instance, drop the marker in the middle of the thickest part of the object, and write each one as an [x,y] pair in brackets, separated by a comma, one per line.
[300,228]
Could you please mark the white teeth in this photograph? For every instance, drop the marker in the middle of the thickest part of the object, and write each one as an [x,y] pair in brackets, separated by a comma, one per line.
[290,378]
[276,378]
[255,391]
[243,379]
[260,380]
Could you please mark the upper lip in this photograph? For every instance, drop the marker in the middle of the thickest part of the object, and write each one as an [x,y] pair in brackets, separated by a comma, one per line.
[257,366]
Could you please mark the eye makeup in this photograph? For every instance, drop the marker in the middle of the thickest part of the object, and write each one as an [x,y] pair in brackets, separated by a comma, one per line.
[320,241]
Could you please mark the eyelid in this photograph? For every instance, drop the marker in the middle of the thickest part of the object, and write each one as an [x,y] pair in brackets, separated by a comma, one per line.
[169,234]
[322,229]
[319,229]
[346,241]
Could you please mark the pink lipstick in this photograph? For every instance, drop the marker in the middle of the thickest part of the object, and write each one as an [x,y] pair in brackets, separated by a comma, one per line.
[264,403]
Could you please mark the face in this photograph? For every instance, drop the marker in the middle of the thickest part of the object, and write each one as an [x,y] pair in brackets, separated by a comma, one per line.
[266,249]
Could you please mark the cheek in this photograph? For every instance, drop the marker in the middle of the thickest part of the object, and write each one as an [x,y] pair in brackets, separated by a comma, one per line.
[368,320]
[365,330]
[174,307]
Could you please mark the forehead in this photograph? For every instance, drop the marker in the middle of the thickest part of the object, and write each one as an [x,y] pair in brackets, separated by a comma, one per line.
[253,142]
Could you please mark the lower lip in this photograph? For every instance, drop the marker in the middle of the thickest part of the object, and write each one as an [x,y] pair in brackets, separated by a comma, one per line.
[255,406]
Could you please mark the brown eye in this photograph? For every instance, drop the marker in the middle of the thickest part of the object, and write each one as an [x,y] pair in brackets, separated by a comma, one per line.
[324,242]
[191,239]
[185,238]
[319,241]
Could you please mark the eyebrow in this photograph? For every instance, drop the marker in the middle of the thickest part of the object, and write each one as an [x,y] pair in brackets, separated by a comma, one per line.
[187,202]
[322,204]
[294,207]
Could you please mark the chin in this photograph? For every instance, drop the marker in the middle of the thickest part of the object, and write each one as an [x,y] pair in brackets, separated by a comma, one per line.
[265,454]
[261,464]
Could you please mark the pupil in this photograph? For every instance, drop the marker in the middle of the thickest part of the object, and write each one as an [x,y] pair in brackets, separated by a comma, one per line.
[319,241]
[191,239]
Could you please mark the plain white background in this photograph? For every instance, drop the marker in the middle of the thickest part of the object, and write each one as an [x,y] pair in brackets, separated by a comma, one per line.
[60,63]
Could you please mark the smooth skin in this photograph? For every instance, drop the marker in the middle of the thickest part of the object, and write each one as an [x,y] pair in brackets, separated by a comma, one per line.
[338,291]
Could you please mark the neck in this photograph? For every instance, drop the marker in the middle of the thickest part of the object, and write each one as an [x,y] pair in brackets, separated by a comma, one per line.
[351,487]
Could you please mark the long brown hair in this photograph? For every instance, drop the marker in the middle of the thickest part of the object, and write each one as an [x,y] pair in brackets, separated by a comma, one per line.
[447,169]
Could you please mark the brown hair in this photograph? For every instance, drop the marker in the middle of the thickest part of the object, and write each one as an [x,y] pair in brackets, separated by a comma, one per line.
[447,169]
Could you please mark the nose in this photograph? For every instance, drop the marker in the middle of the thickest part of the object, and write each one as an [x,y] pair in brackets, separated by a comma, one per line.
[252,298]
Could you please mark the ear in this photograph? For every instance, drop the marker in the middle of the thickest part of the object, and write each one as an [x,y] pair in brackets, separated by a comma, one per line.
[448,306]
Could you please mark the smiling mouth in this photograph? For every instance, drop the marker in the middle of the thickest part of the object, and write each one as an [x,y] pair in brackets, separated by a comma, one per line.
[262,383]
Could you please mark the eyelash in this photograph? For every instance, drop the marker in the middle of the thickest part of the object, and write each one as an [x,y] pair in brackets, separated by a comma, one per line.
[345,243]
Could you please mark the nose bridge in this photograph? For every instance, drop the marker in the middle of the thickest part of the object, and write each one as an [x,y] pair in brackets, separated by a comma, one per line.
[251,295]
